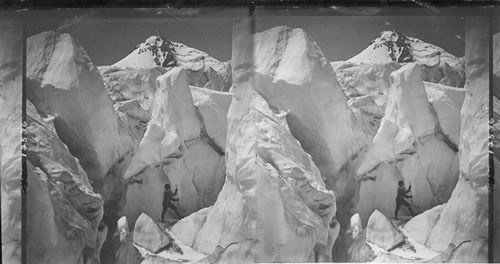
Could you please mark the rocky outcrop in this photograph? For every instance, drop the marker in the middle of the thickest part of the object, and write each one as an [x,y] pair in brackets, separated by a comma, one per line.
[179,148]
[381,232]
[10,137]
[202,70]
[465,215]
[63,82]
[410,145]
[63,212]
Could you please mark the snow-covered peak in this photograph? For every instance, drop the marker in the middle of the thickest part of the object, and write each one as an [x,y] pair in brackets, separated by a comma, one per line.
[159,51]
[438,66]
[397,47]
[154,51]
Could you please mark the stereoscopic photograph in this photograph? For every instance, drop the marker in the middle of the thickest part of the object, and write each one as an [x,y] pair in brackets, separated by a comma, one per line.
[194,135]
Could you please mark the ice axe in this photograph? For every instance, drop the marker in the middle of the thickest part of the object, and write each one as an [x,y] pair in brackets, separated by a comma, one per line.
[177,196]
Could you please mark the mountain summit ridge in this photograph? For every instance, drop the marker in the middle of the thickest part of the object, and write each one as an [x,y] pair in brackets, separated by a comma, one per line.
[164,53]
[157,51]
[439,66]
[402,48]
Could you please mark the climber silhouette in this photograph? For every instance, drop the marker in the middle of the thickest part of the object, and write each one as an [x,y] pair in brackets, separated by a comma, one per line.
[400,199]
[168,197]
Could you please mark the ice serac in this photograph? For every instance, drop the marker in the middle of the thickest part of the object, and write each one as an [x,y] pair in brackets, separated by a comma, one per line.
[10,137]
[273,202]
[420,226]
[212,107]
[292,75]
[63,212]
[133,119]
[148,234]
[438,66]
[382,233]
[359,79]
[182,146]
[63,82]
[447,102]
[410,145]
[367,114]
[202,69]
[465,215]
[353,246]
[471,251]
[187,228]
[126,253]
[131,83]
[367,87]
[132,91]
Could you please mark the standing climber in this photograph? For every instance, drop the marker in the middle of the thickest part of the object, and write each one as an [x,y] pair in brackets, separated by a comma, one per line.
[168,197]
[400,199]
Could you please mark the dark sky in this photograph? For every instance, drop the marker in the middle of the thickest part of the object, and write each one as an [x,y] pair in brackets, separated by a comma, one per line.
[342,37]
[109,40]
[339,37]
